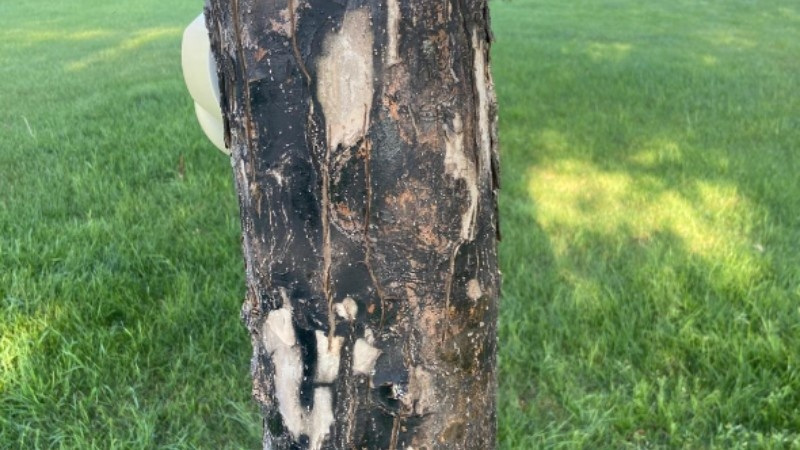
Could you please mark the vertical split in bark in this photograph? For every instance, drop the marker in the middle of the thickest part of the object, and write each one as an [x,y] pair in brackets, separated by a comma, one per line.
[365,157]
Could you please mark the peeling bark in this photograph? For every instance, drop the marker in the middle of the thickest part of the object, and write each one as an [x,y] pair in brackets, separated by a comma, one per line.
[364,148]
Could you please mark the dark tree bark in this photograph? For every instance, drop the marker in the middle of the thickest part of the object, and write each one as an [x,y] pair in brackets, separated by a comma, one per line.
[363,137]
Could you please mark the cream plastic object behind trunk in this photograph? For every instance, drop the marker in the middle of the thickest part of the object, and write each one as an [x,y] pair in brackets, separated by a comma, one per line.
[200,74]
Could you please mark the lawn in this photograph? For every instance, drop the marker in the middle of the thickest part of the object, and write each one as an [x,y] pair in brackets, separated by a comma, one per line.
[650,211]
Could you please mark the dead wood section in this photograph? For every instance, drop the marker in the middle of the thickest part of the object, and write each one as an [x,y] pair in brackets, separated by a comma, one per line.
[364,150]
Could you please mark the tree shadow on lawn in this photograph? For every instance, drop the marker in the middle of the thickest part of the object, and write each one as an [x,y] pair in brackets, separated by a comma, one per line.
[651,221]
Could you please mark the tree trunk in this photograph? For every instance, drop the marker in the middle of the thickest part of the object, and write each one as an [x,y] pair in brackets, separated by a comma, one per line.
[363,137]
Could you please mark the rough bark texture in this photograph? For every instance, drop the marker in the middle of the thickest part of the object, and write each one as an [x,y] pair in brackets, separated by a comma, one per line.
[363,137]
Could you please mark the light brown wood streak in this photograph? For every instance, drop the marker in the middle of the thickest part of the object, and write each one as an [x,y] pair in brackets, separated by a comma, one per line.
[295,49]
[326,239]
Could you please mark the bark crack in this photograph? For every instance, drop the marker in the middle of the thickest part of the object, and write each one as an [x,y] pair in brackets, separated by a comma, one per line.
[448,289]
[295,48]
[367,216]
[248,115]
[326,239]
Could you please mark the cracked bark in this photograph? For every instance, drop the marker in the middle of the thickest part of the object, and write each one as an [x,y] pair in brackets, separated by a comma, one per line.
[364,150]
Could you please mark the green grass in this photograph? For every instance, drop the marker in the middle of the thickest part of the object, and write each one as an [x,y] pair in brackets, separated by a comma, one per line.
[120,279]
[651,219]
[652,223]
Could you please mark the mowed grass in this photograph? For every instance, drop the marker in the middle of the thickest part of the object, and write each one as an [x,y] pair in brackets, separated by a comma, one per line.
[651,213]
[121,276]
[651,219]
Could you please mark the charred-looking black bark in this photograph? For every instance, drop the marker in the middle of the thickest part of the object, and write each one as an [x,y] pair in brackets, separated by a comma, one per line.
[363,137]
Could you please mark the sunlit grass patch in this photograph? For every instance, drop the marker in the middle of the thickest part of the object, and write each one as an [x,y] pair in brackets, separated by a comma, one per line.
[572,195]
[18,335]
[130,44]
[614,51]
[24,37]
